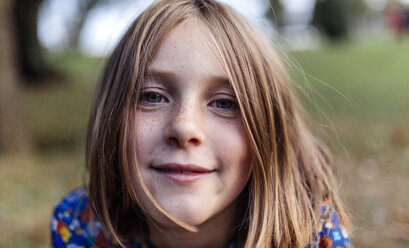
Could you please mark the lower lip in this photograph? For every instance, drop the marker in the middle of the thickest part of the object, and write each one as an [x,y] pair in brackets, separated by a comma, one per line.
[184,178]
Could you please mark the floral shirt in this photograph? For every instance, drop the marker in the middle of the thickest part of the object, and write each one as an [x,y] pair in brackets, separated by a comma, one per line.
[71,227]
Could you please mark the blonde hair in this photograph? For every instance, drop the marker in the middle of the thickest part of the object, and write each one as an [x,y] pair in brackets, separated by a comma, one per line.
[291,174]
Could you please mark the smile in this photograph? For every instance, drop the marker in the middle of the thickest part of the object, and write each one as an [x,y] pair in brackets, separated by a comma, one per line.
[176,171]
[182,173]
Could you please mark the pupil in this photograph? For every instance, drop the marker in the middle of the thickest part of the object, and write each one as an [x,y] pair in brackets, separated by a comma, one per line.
[153,97]
[226,104]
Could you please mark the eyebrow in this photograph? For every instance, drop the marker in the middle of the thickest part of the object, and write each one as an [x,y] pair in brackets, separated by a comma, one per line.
[161,75]
[222,80]
[170,76]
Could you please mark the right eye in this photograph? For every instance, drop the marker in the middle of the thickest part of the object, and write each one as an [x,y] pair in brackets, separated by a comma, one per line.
[151,97]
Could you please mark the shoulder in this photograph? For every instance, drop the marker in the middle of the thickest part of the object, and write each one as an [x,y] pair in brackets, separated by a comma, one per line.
[331,232]
[71,224]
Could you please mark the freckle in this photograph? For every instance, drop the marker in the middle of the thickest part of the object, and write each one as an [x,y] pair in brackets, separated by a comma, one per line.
[151,125]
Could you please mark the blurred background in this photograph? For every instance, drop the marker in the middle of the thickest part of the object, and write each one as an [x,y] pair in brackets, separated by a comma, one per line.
[350,64]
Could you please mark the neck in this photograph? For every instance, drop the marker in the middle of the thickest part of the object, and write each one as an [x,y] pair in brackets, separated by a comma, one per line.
[216,232]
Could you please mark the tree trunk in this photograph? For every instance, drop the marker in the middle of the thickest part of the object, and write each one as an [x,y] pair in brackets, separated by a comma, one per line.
[335,17]
[275,13]
[32,65]
[76,27]
[330,16]
[13,137]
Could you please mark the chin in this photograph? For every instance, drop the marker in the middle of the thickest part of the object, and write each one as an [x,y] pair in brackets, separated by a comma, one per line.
[191,217]
[189,220]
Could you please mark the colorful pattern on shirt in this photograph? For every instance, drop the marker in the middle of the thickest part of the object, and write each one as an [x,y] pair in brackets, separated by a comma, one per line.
[331,232]
[71,227]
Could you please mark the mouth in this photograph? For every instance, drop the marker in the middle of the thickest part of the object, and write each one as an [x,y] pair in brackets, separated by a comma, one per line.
[182,173]
[175,171]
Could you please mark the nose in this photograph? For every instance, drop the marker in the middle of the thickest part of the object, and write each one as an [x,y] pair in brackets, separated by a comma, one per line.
[185,126]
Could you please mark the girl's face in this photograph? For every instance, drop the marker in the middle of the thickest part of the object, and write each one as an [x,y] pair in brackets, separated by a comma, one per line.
[192,149]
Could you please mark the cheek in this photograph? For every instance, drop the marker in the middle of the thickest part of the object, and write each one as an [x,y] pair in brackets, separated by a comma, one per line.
[234,150]
[146,134]
[234,138]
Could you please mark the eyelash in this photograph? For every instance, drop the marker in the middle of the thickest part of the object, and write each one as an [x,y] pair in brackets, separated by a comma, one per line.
[143,97]
[232,105]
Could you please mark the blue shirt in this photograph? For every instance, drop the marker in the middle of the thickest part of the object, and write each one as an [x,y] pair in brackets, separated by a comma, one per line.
[71,227]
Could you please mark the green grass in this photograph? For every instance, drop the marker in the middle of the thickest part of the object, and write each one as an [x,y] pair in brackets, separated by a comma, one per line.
[362,88]
[357,94]
[372,78]
[58,114]
[29,188]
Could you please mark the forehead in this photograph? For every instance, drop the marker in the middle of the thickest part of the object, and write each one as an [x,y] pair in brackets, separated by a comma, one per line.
[188,46]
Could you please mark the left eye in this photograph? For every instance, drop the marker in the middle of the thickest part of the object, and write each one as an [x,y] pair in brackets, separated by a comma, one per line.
[152,97]
[225,104]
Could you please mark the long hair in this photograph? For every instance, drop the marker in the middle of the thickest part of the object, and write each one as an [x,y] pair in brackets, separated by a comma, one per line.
[291,174]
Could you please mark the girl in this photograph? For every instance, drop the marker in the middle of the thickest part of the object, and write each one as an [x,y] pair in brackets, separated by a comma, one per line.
[195,141]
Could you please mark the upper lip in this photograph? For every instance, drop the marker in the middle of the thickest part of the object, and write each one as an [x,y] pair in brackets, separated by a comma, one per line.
[182,167]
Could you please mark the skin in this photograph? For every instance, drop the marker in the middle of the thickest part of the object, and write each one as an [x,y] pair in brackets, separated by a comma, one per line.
[188,114]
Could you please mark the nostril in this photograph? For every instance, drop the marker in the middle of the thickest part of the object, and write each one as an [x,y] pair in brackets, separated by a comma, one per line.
[194,141]
[183,132]
[183,142]
[172,140]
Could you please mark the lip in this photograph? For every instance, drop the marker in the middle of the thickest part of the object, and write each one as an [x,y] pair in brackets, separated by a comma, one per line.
[182,173]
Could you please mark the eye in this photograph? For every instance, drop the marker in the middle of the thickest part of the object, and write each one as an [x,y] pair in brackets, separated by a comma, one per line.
[225,104]
[151,97]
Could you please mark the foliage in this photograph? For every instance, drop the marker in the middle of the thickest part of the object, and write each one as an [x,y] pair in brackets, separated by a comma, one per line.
[275,12]
[334,17]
